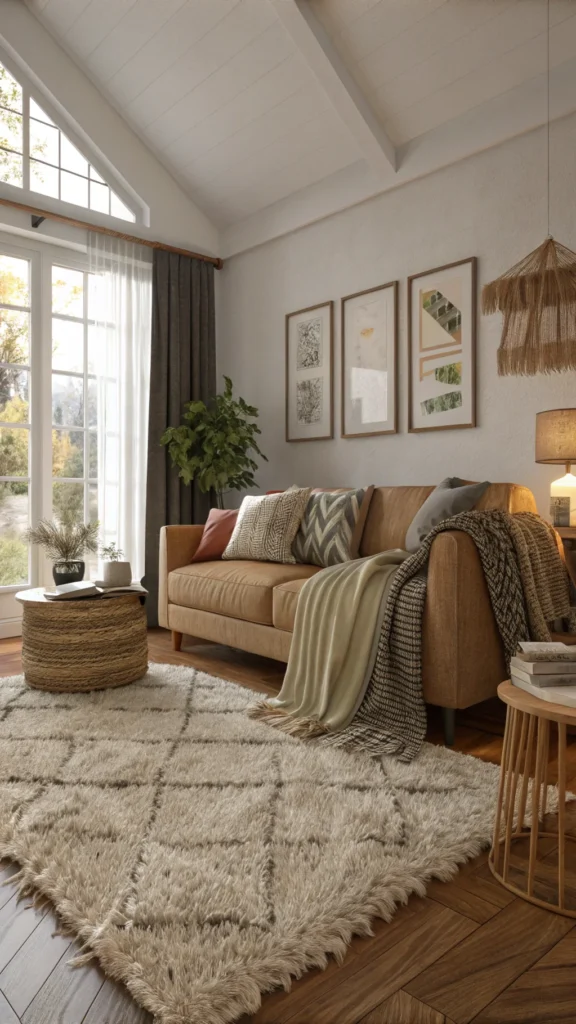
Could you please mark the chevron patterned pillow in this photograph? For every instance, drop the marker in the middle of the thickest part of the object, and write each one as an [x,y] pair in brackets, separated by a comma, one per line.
[267,525]
[332,527]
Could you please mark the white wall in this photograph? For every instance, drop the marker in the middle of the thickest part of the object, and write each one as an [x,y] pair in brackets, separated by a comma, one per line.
[174,218]
[492,206]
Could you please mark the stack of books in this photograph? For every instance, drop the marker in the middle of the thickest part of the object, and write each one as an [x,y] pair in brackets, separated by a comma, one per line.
[546,670]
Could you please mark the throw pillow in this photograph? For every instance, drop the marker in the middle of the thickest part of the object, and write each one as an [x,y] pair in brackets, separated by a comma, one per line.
[447,499]
[332,527]
[218,530]
[266,526]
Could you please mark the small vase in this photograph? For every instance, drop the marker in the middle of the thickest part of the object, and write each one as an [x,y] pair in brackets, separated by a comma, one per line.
[68,572]
[117,574]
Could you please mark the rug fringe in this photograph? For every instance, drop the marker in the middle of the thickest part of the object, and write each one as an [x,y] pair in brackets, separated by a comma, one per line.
[305,728]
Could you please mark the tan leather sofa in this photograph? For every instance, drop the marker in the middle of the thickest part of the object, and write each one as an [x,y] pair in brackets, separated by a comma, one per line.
[252,605]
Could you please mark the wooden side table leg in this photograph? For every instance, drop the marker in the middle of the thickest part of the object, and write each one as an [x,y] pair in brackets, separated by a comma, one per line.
[500,801]
[525,776]
[520,725]
[561,810]
[539,772]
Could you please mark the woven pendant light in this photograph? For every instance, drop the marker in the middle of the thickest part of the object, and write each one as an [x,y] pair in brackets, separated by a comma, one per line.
[537,297]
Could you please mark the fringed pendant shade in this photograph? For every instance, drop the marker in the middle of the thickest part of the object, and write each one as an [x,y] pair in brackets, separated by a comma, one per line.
[538,299]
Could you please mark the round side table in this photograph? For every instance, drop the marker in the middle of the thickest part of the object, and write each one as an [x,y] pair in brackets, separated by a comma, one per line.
[523,792]
[73,646]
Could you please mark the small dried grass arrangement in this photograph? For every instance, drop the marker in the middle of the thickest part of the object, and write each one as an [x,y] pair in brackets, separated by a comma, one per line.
[65,540]
[538,299]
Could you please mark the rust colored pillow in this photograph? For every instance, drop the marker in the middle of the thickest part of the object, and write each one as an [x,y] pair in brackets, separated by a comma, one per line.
[217,532]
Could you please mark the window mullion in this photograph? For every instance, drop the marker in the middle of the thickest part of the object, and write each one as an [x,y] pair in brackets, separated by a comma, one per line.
[26,139]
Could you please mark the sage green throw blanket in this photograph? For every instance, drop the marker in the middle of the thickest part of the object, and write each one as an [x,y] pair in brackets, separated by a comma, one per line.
[336,633]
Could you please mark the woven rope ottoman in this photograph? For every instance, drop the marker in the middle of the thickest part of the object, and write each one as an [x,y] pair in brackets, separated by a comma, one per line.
[70,646]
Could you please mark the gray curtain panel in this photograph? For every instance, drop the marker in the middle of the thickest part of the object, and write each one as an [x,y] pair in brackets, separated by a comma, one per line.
[183,369]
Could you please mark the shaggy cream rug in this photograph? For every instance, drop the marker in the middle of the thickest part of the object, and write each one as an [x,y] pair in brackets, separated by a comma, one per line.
[203,857]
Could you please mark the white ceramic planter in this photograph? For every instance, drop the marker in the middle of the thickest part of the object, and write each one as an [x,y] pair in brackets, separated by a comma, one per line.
[117,574]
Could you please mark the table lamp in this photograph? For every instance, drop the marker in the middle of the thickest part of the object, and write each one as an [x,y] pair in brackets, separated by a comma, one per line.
[556,446]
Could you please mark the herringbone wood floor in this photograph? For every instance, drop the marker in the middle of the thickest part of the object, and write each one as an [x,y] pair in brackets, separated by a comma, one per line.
[467,952]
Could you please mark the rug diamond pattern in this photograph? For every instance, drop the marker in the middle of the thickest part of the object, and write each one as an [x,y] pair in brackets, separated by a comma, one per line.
[204,856]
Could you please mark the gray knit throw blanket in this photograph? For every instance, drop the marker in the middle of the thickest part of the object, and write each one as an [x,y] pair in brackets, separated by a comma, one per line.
[528,587]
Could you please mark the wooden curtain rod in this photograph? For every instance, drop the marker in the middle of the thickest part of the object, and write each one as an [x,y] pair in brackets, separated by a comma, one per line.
[218,263]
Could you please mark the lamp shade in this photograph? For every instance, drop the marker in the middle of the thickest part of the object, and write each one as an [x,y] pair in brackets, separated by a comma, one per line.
[556,436]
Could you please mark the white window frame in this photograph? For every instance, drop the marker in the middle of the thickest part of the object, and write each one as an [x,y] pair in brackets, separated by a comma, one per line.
[42,258]
[106,172]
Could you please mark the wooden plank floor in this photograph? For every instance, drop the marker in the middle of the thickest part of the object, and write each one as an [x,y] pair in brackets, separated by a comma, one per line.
[466,952]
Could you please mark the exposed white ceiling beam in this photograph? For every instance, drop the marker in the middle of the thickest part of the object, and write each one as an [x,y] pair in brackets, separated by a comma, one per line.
[344,93]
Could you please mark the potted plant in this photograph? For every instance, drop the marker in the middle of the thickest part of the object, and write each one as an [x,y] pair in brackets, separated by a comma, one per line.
[65,540]
[116,573]
[214,445]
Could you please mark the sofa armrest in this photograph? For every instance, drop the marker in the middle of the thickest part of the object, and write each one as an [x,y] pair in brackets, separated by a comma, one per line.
[463,656]
[178,544]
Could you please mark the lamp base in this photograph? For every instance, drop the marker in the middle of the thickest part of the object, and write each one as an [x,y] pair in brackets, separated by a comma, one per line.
[563,501]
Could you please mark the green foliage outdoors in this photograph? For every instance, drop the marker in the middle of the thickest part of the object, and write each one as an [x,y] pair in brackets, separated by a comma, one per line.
[214,445]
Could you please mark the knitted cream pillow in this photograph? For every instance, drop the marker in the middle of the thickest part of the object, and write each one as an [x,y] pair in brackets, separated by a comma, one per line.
[267,525]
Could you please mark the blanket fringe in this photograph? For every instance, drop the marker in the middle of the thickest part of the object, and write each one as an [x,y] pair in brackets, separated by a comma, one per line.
[304,728]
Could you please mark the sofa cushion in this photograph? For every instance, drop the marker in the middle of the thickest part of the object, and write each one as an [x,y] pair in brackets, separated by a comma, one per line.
[284,603]
[447,499]
[266,526]
[242,590]
[216,534]
[332,527]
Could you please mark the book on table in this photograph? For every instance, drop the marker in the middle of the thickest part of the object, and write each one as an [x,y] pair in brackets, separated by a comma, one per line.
[565,695]
[85,589]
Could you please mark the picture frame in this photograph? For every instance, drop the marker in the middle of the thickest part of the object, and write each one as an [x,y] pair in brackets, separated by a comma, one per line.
[310,373]
[442,328]
[369,363]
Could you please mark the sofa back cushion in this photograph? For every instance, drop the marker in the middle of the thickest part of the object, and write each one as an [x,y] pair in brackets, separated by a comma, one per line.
[332,526]
[392,509]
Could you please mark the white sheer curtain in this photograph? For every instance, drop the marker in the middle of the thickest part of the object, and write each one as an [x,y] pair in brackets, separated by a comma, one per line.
[121,306]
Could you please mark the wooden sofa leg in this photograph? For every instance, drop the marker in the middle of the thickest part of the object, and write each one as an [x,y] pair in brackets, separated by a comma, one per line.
[176,640]
[449,722]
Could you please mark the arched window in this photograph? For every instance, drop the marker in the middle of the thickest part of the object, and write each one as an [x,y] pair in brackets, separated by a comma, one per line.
[37,155]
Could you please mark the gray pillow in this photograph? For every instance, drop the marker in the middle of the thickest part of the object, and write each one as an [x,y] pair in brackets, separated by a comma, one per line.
[448,499]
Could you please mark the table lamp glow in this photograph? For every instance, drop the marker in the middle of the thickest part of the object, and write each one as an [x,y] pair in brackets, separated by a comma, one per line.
[556,446]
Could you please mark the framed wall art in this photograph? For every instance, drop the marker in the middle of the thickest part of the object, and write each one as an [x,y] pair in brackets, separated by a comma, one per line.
[442,347]
[369,361]
[309,373]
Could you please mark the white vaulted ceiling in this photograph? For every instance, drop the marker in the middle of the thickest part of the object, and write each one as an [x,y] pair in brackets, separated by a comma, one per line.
[245,115]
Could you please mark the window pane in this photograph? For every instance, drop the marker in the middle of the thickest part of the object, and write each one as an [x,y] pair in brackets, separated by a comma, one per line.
[14,519]
[71,159]
[94,174]
[67,345]
[38,113]
[99,197]
[44,179]
[119,209]
[44,142]
[14,346]
[67,291]
[68,499]
[14,407]
[67,453]
[10,91]
[14,280]
[10,168]
[14,451]
[10,130]
[92,454]
[92,400]
[67,401]
[93,503]
[95,347]
[73,189]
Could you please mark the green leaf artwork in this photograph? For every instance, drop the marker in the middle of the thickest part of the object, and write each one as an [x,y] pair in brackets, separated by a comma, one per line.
[442,403]
[215,444]
[451,373]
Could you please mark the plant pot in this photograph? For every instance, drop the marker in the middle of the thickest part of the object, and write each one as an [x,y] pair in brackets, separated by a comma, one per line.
[67,572]
[117,574]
